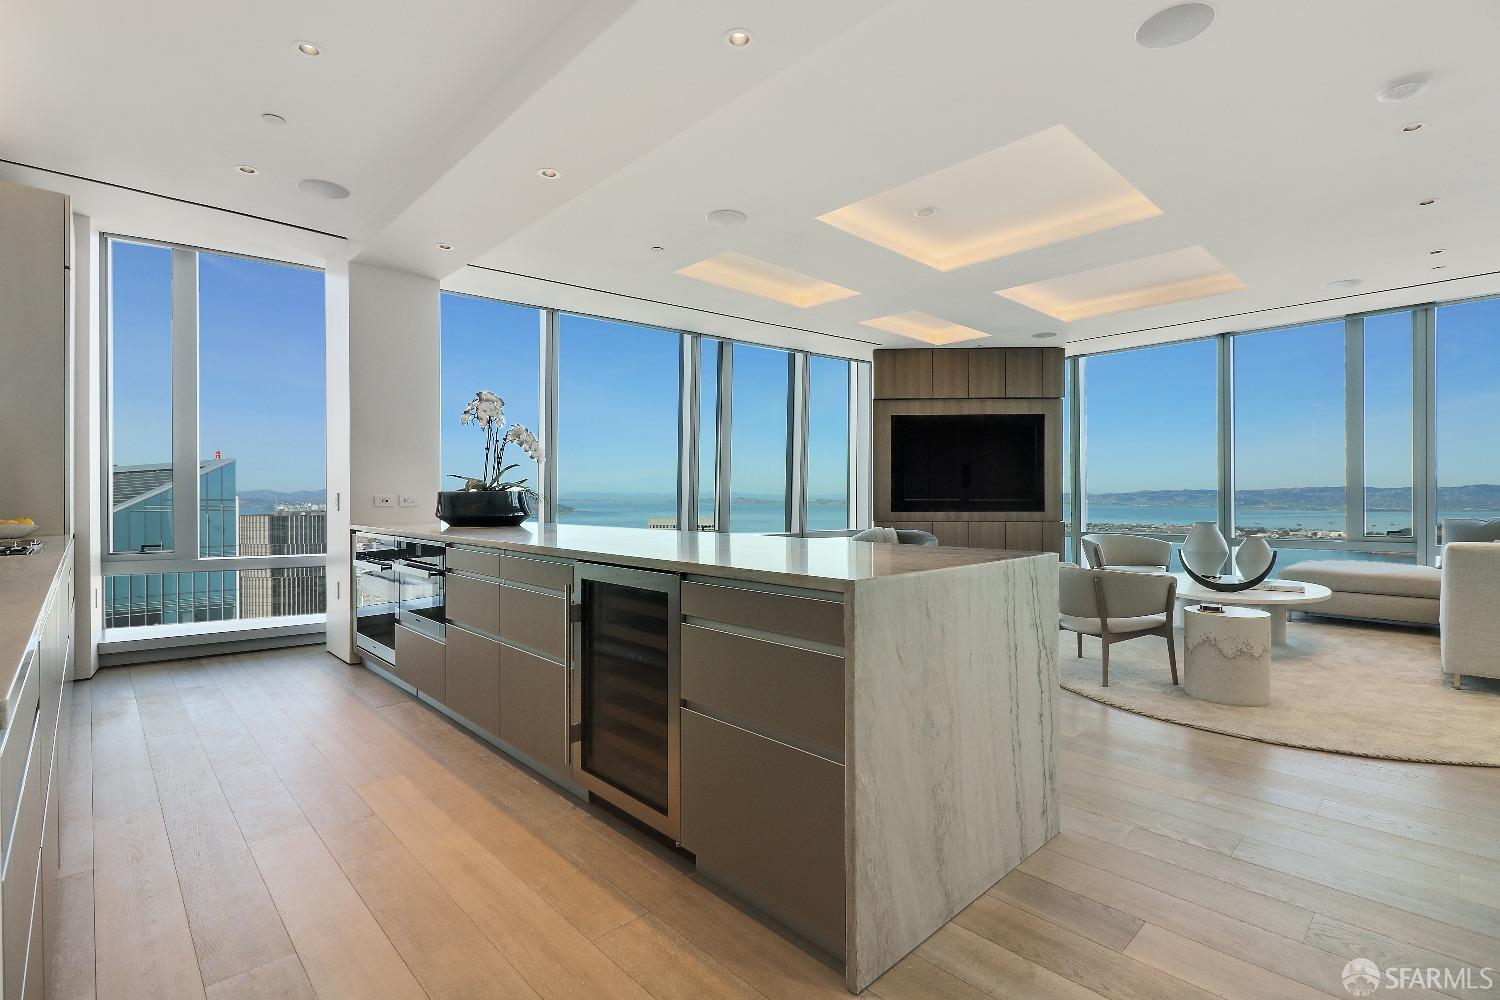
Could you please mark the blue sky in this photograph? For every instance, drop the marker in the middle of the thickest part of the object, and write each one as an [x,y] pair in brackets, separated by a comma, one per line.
[260,359]
[1151,413]
[617,402]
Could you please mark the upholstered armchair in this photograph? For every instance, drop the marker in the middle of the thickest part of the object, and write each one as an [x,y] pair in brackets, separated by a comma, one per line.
[1467,611]
[1133,552]
[896,536]
[1115,606]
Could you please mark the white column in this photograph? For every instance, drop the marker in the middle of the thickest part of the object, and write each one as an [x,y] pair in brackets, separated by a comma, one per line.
[384,424]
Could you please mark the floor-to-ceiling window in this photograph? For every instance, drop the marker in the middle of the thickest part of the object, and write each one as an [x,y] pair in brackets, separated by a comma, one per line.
[1289,436]
[617,436]
[828,443]
[1467,405]
[624,431]
[218,359]
[759,432]
[1387,382]
[495,347]
[1151,419]
[1348,438]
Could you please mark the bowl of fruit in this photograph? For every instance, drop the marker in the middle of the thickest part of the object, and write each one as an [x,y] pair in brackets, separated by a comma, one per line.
[16,527]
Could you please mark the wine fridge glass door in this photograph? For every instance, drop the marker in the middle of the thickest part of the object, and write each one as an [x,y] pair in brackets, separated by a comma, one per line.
[628,695]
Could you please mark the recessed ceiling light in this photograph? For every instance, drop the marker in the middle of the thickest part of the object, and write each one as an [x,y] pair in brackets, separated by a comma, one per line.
[1412,127]
[445,246]
[548,173]
[1175,25]
[737,37]
[1044,335]
[310,48]
[323,189]
[657,249]
[1345,283]
[1427,201]
[272,119]
[246,168]
[1438,267]
[1400,90]
[1434,252]
[726,217]
[925,212]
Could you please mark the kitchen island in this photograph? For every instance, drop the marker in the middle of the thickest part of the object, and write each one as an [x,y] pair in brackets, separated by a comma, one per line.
[856,738]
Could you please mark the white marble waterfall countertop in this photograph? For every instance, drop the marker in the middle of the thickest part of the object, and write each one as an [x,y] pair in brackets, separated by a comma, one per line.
[815,563]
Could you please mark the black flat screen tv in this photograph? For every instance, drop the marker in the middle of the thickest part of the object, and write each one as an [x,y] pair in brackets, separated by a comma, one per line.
[968,462]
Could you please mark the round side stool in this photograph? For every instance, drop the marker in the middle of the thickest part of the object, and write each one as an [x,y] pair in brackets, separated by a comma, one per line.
[1228,655]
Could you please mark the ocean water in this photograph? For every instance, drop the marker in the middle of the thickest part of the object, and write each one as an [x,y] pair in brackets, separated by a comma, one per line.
[1378,521]
[748,512]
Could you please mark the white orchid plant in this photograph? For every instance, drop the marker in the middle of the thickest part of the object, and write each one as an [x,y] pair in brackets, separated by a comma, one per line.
[487,412]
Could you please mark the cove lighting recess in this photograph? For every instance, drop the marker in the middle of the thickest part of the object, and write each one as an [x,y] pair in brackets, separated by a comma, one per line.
[1175,276]
[1041,189]
[753,276]
[924,327]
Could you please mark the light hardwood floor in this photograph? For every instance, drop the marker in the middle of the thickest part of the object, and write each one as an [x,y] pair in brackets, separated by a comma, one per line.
[280,825]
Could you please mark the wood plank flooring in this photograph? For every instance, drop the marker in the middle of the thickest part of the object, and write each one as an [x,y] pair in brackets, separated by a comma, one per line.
[281,825]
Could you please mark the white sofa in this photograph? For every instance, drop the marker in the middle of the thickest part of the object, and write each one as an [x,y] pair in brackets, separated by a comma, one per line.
[1471,610]
[1378,591]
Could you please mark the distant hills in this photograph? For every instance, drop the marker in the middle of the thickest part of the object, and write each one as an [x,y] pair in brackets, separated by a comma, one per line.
[265,501]
[1320,498]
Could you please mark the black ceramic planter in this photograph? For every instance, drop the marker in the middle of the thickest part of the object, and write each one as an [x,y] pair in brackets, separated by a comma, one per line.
[482,508]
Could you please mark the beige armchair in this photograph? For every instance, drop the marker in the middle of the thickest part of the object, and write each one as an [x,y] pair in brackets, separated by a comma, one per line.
[1470,595]
[1134,552]
[1117,605]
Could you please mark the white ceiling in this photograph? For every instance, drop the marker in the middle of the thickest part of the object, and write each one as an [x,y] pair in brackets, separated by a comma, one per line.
[1260,141]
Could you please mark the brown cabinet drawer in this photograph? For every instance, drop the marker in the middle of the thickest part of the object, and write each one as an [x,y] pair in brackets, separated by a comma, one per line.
[422,663]
[18,886]
[534,707]
[21,732]
[536,621]
[481,562]
[807,618]
[767,822]
[542,573]
[473,604]
[789,691]
[473,680]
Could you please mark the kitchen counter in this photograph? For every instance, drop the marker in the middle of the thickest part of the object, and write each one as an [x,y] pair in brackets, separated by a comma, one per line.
[818,563]
[856,738]
[24,584]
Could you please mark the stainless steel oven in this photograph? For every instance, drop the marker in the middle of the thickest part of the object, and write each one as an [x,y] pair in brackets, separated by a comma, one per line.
[626,691]
[376,595]
[420,570]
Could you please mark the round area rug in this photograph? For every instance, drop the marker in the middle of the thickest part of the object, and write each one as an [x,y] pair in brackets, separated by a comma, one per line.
[1367,690]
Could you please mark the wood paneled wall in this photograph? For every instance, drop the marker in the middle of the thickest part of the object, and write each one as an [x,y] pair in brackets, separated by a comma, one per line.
[979,380]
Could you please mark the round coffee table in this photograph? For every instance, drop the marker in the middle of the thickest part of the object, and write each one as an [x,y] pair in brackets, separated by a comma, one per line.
[1274,602]
[1228,657]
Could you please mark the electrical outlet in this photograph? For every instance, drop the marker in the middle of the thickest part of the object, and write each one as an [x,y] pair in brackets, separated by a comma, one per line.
[384,500]
[407,500]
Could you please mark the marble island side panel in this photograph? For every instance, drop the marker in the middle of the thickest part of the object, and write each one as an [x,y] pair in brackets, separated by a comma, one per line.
[951,782]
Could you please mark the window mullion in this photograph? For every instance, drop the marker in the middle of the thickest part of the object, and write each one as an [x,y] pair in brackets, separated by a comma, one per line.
[796,442]
[1226,435]
[547,417]
[688,445]
[724,420]
[1354,428]
[185,483]
[1424,433]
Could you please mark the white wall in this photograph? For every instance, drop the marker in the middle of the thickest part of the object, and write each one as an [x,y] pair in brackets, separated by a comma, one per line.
[383,383]
[34,233]
[88,442]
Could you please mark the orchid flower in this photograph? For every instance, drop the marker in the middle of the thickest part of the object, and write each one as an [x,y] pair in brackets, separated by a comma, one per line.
[487,412]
